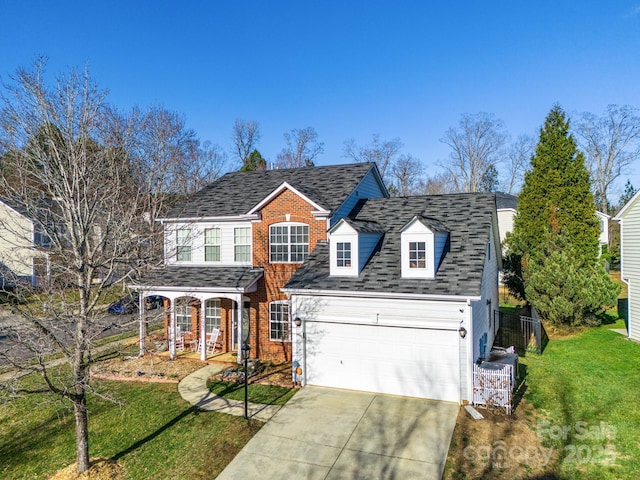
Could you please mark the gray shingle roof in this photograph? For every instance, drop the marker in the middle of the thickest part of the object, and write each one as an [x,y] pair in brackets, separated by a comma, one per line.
[363,226]
[468,218]
[236,193]
[506,200]
[224,278]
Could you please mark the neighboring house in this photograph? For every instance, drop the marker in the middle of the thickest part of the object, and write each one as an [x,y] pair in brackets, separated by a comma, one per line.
[362,291]
[22,259]
[232,247]
[507,207]
[629,218]
[401,299]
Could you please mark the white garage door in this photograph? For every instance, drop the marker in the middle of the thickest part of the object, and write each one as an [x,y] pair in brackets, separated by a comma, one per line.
[395,360]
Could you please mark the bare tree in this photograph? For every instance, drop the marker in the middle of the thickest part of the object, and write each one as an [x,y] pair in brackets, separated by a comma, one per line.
[611,144]
[301,150]
[517,161]
[382,152]
[406,173]
[74,176]
[245,137]
[476,145]
[438,184]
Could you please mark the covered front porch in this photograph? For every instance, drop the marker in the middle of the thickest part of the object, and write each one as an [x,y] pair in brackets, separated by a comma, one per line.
[200,320]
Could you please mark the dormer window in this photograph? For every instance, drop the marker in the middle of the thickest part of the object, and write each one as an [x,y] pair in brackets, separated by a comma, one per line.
[343,254]
[288,243]
[423,241]
[418,255]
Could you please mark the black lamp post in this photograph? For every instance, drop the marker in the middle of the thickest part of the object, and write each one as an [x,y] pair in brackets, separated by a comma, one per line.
[246,348]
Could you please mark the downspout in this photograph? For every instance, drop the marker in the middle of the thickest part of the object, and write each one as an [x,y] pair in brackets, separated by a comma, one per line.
[470,346]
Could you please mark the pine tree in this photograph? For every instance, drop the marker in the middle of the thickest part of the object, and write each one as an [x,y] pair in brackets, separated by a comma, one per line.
[556,196]
[553,250]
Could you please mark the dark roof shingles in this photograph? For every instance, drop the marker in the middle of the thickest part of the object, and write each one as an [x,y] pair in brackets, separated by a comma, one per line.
[468,218]
[201,277]
[236,193]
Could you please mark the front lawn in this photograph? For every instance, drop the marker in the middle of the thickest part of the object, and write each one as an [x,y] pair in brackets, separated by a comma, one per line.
[581,401]
[152,432]
[257,393]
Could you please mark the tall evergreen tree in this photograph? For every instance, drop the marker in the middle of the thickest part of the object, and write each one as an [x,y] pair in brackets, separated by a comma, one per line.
[553,250]
[556,196]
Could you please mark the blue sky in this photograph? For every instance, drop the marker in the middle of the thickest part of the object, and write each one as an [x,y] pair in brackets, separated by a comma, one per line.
[347,68]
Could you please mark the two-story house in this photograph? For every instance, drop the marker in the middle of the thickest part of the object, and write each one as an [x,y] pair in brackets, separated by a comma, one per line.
[361,291]
[23,247]
[234,245]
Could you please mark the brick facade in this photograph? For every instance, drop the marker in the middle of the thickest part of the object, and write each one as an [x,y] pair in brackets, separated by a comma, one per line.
[287,207]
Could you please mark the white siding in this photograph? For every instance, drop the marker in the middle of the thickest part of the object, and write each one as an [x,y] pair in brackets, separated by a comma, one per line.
[482,310]
[343,233]
[367,188]
[16,243]
[356,328]
[417,232]
[505,223]
[630,253]
[197,242]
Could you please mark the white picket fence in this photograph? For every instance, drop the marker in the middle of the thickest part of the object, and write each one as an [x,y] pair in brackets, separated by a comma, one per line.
[493,385]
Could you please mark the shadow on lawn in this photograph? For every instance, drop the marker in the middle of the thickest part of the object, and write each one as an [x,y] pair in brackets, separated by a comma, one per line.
[159,431]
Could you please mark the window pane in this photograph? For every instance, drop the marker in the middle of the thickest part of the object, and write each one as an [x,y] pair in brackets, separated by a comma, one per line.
[212,315]
[183,245]
[212,253]
[417,255]
[343,254]
[288,243]
[242,247]
[279,321]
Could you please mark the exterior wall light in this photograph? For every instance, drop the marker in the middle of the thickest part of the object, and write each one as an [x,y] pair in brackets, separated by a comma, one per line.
[462,331]
[297,321]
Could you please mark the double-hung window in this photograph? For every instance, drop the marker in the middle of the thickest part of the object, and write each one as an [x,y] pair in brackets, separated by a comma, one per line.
[343,254]
[417,255]
[183,245]
[211,244]
[242,244]
[183,317]
[279,327]
[212,315]
[288,243]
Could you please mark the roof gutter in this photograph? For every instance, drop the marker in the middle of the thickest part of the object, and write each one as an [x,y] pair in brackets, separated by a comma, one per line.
[368,294]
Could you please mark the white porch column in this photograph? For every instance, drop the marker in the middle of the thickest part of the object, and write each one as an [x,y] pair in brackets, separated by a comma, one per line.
[172,331]
[143,324]
[238,301]
[203,332]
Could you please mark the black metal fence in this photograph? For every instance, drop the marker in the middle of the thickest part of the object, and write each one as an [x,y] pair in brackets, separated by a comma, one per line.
[525,333]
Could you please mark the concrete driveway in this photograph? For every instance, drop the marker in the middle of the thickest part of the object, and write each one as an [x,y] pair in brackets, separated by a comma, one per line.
[324,433]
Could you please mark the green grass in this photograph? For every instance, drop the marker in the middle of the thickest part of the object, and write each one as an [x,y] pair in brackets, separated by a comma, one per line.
[151,431]
[257,393]
[589,384]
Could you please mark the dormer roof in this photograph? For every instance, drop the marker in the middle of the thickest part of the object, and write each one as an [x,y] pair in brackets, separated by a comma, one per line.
[433,224]
[360,226]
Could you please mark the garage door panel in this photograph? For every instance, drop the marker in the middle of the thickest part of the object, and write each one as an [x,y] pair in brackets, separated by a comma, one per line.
[402,361]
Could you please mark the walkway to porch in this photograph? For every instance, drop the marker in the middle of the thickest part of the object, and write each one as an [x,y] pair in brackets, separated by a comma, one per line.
[193,389]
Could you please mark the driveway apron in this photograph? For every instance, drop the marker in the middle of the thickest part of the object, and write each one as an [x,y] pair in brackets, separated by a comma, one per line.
[324,433]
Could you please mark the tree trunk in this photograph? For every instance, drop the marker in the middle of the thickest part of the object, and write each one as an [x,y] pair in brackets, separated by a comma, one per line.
[82,433]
